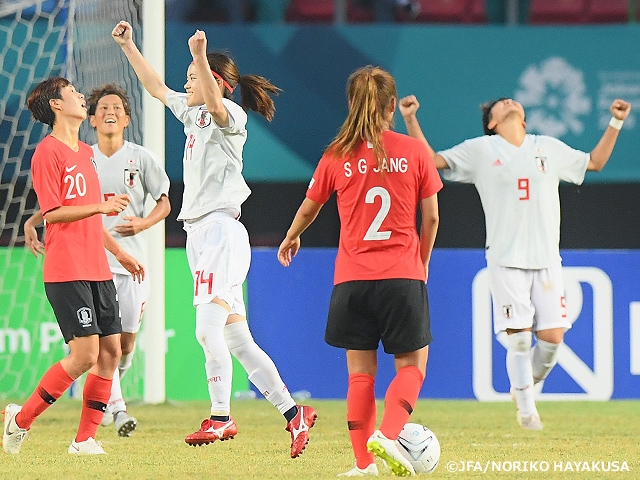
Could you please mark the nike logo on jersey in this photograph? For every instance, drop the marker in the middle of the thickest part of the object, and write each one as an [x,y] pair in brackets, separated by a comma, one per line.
[71,169]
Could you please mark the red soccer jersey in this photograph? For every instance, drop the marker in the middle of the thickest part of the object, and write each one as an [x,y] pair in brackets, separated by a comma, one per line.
[62,177]
[378,233]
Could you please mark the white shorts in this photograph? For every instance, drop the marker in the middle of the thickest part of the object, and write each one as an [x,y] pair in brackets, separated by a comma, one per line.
[528,298]
[219,257]
[132,298]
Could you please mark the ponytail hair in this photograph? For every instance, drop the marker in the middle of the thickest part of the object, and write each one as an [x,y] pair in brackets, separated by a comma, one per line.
[370,91]
[255,91]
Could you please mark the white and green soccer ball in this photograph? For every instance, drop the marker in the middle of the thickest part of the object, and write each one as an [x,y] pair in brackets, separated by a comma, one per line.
[420,446]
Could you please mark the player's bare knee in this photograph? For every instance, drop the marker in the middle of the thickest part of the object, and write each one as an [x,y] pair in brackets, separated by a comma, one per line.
[84,361]
[554,335]
[109,358]
[127,343]
[126,350]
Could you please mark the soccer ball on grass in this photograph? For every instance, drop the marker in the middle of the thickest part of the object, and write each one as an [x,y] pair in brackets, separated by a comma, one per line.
[420,446]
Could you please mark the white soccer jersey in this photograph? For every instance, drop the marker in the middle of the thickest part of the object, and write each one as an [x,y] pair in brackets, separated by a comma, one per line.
[518,188]
[212,158]
[136,171]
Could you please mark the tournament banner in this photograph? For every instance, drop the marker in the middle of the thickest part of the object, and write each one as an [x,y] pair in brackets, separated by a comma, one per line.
[599,360]
[287,308]
[30,340]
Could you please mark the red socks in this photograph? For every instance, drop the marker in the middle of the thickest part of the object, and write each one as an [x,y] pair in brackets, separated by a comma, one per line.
[400,400]
[52,385]
[361,416]
[95,397]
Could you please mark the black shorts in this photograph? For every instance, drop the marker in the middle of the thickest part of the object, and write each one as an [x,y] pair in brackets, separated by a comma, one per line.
[363,312]
[85,308]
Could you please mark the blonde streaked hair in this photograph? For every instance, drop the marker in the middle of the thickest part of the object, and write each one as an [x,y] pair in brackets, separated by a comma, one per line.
[370,91]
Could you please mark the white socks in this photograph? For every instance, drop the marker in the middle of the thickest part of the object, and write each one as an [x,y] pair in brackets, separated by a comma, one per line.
[219,342]
[545,357]
[116,401]
[126,361]
[210,321]
[520,371]
[259,366]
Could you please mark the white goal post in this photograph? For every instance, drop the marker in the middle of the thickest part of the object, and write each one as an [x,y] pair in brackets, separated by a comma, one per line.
[154,138]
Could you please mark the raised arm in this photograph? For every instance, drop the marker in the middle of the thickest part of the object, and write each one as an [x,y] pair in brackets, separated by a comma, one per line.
[305,216]
[602,151]
[123,35]
[408,107]
[211,90]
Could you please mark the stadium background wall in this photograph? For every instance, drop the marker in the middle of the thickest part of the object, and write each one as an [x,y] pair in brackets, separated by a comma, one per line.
[28,347]
[565,76]
[288,305]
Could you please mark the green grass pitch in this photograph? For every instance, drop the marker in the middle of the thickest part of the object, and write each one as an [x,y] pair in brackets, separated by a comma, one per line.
[479,440]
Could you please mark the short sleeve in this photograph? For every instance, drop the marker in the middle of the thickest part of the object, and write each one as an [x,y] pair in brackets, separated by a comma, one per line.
[46,179]
[462,161]
[431,182]
[237,117]
[572,163]
[155,178]
[177,103]
[322,184]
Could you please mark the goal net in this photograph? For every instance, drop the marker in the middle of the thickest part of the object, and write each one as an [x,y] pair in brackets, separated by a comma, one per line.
[40,39]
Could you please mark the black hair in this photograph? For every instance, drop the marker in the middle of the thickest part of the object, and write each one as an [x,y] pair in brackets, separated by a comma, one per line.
[486,115]
[38,101]
[107,89]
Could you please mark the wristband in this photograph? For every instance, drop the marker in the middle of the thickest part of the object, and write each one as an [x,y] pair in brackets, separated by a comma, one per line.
[616,123]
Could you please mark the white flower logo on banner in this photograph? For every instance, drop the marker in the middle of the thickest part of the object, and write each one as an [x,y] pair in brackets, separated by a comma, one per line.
[553,95]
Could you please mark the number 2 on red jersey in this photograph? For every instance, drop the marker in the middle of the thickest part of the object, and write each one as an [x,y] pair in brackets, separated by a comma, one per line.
[374,233]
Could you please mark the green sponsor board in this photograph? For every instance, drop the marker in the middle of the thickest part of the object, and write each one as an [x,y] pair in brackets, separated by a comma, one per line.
[30,340]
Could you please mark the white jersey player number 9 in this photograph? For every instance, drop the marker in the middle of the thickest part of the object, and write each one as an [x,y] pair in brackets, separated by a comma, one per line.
[523,184]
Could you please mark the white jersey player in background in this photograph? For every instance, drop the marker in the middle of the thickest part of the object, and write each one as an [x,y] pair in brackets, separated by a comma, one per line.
[517,177]
[218,247]
[123,168]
